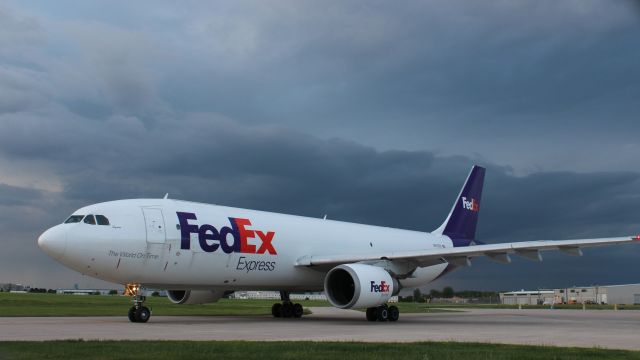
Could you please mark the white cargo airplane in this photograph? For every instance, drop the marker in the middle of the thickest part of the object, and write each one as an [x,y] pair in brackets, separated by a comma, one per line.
[199,252]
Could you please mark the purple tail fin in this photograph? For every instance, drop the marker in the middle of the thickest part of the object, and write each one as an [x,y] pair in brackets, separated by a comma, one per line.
[461,223]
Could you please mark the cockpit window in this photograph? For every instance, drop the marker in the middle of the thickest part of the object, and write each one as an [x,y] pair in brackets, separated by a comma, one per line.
[102,220]
[89,219]
[74,219]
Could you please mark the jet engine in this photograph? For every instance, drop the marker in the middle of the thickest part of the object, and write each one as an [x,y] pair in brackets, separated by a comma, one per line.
[359,286]
[190,297]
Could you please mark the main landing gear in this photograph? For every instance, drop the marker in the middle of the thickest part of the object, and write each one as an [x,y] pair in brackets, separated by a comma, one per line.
[286,309]
[138,312]
[383,313]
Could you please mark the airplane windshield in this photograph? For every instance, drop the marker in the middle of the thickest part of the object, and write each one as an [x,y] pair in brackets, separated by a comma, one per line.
[102,220]
[74,219]
[89,219]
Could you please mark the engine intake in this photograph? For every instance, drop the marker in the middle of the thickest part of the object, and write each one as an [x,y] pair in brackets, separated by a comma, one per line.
[359,286]
[190,297]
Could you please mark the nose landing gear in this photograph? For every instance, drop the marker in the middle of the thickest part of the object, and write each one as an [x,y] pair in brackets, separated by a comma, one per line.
[138,312]
[383,313]
[286,309]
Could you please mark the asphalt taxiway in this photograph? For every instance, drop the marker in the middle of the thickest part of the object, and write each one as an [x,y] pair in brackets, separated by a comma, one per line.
[593,328]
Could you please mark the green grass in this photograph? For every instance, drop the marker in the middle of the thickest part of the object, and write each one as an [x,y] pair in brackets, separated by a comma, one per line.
[159,350]
[35,304]
[96,305]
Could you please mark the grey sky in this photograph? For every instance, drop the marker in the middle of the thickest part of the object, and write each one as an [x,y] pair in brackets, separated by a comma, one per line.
[368,111]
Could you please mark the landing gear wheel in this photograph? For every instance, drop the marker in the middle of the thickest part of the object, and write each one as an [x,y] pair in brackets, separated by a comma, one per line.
[276,310]
[132,314]
[394,313]
[383,313]
[142,314]
[372,314]
[287,310]
[138,313]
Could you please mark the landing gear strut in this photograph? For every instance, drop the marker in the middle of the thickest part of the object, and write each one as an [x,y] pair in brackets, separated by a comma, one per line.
[383,313]
[286,309]
[138,312]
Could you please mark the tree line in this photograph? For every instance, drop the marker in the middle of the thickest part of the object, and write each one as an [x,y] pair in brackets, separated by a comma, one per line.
[447,293]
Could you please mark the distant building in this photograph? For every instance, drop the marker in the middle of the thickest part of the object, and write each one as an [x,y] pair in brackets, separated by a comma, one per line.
[607,294]
[524,297]
[275,295]
[145,292]
[14,288]
[84,291]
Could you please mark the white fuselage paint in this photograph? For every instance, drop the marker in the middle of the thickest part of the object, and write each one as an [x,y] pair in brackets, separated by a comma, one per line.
[142,244]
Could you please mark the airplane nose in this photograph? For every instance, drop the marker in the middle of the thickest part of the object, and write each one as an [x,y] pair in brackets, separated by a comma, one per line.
[53,241]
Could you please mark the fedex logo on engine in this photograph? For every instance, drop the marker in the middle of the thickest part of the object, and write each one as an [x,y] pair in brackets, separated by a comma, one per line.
[243,239]
[472,204]
[382,287]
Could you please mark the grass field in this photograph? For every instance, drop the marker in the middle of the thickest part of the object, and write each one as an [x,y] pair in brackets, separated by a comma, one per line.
[95,305]
[159,350]
[106,305]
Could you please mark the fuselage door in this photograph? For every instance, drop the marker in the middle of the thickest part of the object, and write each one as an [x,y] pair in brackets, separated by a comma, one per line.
[155,225]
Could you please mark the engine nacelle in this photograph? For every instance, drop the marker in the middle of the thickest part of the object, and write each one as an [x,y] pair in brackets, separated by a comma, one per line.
[190,297]
[359,286]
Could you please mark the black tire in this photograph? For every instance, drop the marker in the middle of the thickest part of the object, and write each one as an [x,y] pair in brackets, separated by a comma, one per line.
[298,310]
[394,313]
[383,313]
[276,310]
[132,314]
[142,314]
[287,310]
[372,314]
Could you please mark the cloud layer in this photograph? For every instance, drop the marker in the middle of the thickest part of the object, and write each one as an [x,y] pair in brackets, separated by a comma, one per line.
[366,112]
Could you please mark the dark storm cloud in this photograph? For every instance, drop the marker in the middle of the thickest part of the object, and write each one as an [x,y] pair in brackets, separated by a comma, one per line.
[380,61]
[354,70]
[290,108]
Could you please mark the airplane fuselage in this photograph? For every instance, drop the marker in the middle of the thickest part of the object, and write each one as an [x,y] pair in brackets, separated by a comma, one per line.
[172,244]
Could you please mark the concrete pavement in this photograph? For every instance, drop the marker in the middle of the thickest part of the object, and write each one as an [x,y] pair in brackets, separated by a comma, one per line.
[601,328]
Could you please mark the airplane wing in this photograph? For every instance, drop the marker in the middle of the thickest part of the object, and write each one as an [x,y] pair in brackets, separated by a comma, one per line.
[461,255]
[461,224]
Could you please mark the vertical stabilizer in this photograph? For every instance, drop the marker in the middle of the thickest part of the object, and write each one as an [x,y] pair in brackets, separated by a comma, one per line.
[463,218]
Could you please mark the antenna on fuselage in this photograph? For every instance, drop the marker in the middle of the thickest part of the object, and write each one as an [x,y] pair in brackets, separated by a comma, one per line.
[166,196]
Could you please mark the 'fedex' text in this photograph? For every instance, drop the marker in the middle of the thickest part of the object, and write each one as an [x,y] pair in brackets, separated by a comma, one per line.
[243,239]
[382,287]
[472,204]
